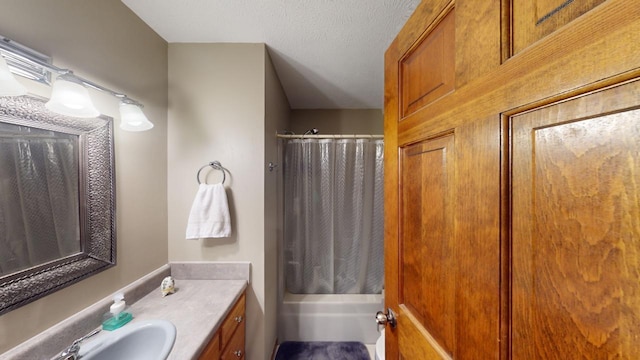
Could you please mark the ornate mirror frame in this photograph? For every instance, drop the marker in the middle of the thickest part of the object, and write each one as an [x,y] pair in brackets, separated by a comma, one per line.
[96,197]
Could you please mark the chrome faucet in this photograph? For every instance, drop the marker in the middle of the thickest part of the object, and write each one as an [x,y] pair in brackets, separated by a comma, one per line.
[71,353]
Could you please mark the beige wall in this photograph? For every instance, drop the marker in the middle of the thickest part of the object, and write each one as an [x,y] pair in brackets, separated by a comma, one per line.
[338,121]
[106,43]
[277,114]
[222,98]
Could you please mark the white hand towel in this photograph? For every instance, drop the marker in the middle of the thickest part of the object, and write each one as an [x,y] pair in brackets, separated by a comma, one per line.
[209,216]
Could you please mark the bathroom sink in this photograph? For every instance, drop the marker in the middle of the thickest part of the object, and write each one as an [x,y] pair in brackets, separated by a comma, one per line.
[148,339]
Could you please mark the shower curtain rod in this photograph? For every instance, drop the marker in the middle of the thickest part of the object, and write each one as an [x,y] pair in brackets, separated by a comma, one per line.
[329,136]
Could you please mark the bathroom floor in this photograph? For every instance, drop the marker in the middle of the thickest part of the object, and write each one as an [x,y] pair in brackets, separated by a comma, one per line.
[323,350]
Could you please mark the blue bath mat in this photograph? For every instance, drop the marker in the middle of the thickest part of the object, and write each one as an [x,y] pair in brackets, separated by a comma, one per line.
[322,350]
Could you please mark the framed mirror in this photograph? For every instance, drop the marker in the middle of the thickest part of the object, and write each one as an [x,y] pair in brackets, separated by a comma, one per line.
[57,200]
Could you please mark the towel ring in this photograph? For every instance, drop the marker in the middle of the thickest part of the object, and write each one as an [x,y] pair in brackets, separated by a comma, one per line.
[217,166]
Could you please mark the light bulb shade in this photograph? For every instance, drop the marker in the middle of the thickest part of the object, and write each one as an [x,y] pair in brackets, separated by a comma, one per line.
[132,118]
[70,97]
[9,85]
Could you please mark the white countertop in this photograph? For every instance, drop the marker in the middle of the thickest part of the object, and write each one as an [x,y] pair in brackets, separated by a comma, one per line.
[197,309]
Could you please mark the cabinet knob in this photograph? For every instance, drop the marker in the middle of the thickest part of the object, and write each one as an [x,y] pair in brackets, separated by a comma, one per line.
[238,353]
[238,319]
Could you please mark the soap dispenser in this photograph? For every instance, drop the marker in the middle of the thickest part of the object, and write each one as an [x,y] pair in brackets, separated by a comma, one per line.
[117,315]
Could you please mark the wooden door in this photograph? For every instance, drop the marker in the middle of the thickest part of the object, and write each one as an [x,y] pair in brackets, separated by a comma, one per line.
[512,183]
[576,228]
[443,287]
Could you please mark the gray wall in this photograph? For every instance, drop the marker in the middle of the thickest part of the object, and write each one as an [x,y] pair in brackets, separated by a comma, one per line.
[106,43]
[338,121]
[276,118]
[225,104]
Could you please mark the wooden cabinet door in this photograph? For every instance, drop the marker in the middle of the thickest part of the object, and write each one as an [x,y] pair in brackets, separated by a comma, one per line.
[576,228]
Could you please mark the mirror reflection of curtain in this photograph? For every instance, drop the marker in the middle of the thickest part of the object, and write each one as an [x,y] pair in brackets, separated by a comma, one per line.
[39,209]
[333,192]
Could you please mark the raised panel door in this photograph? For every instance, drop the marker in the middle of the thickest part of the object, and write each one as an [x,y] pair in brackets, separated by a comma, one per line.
[427,271]
[576,228]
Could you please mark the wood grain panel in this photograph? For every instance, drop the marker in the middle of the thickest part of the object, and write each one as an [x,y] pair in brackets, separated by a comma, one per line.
[598,48]
[416,342]
[212,350]
[427,274]
[234,350]
[233,320]
[478,39]
[477,234]
[533,20]
[428,70]
[576,228]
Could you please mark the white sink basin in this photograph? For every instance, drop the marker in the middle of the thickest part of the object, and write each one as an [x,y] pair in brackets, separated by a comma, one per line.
[148,339]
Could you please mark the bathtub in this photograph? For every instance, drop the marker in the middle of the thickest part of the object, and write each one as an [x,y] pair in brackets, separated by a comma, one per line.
[329,317]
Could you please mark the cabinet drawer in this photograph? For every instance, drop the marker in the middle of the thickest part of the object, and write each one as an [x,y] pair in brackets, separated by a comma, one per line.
[235,318]
[234,350]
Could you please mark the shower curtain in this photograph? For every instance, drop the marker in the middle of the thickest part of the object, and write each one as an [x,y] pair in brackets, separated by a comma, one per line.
[333,216]
[39,215]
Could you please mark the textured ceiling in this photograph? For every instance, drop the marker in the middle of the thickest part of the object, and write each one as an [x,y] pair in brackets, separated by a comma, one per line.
[329,54]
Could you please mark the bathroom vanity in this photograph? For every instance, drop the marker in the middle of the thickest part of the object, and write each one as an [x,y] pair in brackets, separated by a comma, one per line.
[207,309]
[228,341]
[206,313]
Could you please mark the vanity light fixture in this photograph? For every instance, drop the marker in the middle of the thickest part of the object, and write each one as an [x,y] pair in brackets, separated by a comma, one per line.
[69,95]
[9,86]
[131,116]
